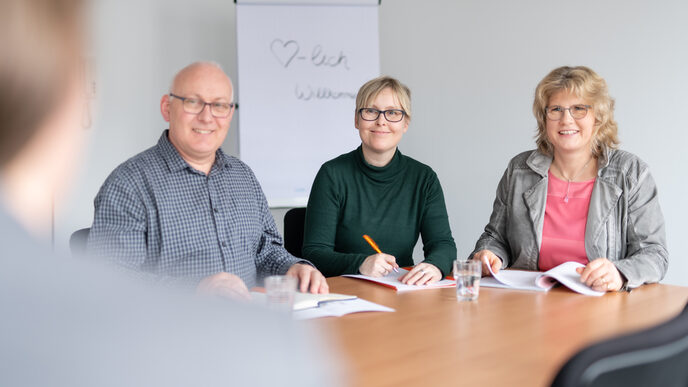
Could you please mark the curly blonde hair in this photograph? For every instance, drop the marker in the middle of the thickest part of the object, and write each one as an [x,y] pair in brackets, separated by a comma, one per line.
[584,83]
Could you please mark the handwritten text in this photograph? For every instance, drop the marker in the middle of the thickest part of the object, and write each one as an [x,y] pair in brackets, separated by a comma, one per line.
[307,93]
[288,52]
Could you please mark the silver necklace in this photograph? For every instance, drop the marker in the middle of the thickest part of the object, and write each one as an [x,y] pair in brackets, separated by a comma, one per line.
[568,185]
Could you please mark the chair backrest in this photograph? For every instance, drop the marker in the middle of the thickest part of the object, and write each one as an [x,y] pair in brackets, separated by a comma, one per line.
[657,356]
[77,242]
[294,221]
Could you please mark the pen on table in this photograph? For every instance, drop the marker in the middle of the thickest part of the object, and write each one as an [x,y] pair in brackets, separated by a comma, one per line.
[372,244]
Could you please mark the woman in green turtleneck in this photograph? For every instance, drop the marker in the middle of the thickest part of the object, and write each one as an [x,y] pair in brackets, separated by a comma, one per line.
[376,190]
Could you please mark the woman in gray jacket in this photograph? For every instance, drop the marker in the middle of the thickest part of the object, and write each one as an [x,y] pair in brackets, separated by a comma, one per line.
[576,197]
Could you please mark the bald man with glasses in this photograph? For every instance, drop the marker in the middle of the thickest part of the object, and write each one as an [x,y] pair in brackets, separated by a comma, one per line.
[184,209]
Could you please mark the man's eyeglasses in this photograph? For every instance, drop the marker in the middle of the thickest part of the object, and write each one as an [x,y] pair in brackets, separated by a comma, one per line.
[392,115]
[195,106]
[555,113]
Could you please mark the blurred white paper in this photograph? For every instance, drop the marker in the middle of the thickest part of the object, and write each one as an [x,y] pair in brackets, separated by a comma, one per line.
[305,300]
[340,308]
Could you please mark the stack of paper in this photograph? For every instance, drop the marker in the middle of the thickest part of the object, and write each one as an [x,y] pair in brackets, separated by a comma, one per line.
[535,280]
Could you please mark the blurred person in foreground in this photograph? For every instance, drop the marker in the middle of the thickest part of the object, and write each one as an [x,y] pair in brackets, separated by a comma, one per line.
[577,197]
[67,324]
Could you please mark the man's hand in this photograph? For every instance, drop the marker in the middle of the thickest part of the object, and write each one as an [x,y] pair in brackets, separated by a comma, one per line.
[224,285]
[310,279]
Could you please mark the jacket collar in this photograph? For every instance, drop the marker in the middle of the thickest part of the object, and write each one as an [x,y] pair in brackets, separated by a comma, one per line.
[603,160]
[540,162]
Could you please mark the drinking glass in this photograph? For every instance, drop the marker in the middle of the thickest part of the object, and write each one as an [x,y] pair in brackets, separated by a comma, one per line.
[467,275]
[280,290]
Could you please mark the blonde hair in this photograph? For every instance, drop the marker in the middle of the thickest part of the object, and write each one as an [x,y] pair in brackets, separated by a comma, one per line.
[370,90]
[41,47]
[586,84]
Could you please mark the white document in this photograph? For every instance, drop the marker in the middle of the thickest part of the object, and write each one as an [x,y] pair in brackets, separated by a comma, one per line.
[305,300]
[391,280]
[340,308]
[535,280]
[515,279]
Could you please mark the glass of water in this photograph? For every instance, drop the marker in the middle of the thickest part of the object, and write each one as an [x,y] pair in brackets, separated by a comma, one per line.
[467,275]
[280,291]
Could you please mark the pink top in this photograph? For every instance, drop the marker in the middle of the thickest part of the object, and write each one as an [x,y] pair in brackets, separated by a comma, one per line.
[563,233]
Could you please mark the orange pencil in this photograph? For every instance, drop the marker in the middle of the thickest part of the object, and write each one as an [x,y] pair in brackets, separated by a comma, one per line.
[372,244]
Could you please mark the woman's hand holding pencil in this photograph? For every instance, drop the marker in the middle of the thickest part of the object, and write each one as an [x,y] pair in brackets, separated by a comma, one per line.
[377,265]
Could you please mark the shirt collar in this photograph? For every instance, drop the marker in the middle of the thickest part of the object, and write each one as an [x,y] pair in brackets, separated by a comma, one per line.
[175,162]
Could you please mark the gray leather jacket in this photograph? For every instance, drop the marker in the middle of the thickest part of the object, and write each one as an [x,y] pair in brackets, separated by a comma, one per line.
[625,223]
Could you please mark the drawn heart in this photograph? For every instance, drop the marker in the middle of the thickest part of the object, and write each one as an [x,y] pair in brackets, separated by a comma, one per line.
[284,51]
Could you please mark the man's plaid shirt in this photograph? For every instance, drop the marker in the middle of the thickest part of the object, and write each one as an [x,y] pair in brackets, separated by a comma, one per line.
[157,214]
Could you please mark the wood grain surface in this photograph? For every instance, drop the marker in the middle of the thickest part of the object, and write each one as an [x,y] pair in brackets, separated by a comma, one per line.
[506,338]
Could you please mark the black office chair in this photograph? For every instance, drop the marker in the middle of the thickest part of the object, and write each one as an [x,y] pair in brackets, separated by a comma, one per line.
[657,356]
[77,242]
[294,221]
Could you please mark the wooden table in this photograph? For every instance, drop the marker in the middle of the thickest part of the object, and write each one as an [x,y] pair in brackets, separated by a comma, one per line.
[506,338]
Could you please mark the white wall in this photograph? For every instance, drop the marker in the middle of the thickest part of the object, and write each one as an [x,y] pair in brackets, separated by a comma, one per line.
[472,67]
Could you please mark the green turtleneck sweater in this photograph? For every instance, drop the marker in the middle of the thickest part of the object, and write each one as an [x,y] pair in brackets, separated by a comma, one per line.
[393,204]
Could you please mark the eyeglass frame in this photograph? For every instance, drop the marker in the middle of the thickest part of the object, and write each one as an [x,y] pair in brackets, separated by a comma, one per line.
[232,105]
[384,114]
[563,109]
